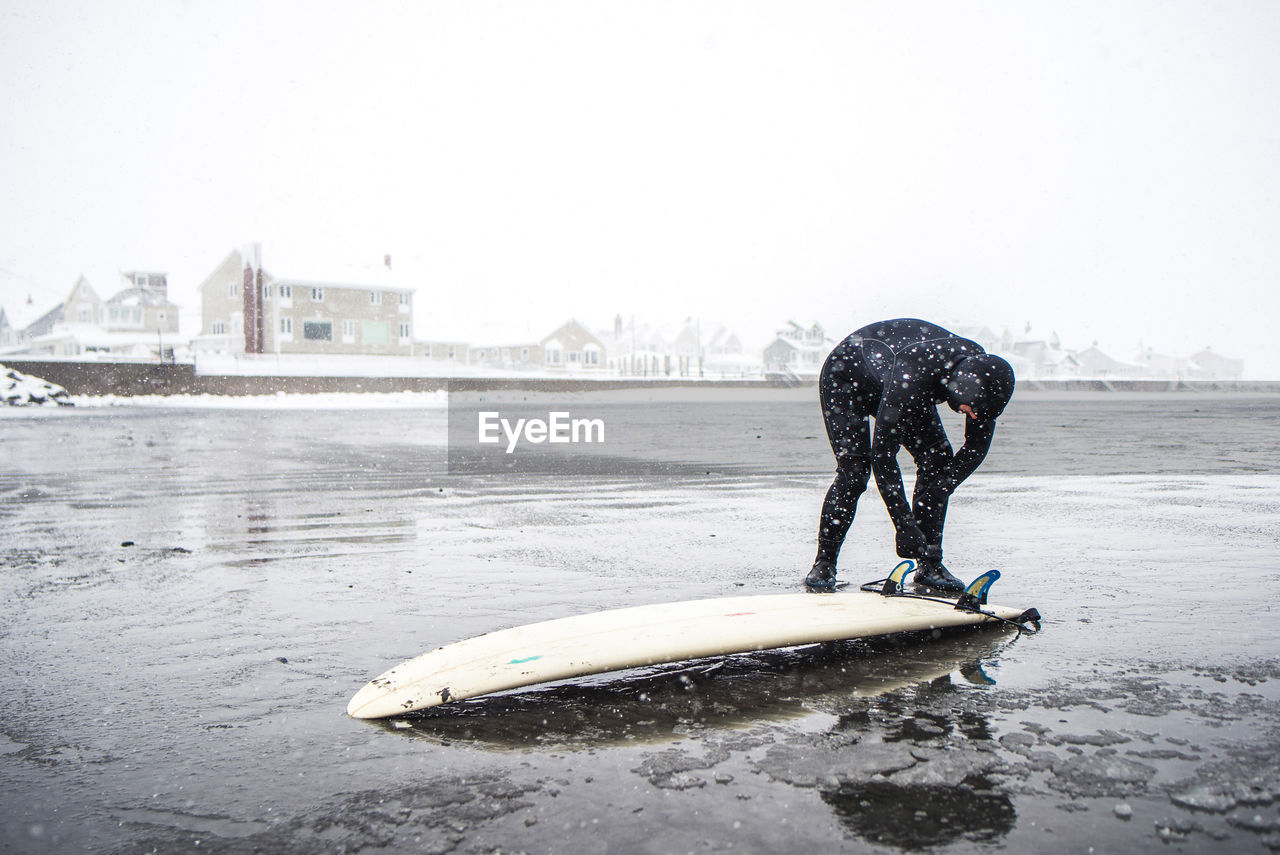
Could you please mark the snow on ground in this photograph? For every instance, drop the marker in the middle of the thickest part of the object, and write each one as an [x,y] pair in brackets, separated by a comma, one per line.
[278,401]
[21,390]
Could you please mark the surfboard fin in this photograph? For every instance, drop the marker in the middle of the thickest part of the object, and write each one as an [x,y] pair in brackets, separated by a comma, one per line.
[976,594]
[893,585]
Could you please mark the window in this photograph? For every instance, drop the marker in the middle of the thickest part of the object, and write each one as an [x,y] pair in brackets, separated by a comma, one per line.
[233,289]
[574,355]
[317,330]
[286,292]
[524,354]
[553,356]
[375,298]
[286,326]
[140,279]
[266,292]
[349,331]
[404,330]
[591,357]
[317,295]
[404,299]
[453,351]
[219,328]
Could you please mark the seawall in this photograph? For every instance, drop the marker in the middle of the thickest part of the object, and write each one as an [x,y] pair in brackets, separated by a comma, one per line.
[132,378]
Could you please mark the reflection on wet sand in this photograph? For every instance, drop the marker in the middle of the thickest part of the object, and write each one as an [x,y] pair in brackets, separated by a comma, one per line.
[917,816]
[657,705]
[885,810]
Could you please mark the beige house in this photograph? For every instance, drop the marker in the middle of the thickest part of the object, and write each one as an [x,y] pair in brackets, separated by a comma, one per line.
[452,351]
[137,321]
[245,308]
[573,348]
[82,306]
[518,356]
[141,306]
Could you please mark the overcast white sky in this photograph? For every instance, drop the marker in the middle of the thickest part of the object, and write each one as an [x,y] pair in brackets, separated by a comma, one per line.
[1107,170]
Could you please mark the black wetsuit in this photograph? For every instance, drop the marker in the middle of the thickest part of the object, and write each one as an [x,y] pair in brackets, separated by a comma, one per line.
[898,371]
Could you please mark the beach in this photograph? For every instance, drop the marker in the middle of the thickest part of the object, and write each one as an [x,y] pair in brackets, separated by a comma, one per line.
[191,594]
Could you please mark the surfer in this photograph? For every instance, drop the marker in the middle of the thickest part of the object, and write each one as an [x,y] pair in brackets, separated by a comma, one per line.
[898,371]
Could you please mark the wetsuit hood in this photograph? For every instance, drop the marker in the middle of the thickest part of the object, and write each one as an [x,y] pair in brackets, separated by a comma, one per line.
[984,382]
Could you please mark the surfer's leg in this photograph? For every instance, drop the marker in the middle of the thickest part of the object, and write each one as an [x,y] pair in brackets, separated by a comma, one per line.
[847,397]
[850,436]
[932,454]
[841,503]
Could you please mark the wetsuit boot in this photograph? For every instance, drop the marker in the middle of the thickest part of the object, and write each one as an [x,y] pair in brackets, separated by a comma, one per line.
[932,574]
[822,577]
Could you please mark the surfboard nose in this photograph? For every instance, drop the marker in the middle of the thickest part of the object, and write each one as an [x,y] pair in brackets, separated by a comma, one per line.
[372,701]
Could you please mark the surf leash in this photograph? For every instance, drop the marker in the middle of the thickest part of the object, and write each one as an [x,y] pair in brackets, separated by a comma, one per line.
[972,600]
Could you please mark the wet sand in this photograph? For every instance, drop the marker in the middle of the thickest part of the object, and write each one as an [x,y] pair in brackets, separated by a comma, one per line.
[190,596]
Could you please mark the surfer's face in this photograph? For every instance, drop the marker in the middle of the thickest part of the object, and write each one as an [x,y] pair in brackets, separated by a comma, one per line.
[967,410]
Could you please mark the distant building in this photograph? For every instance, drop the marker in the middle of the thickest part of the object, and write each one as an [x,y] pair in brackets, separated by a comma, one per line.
[143,306]
[984,337]
[441,350]
[8,335]
[82,306]
[1161,366]
[724,341]
[798,350]
[1047,359]
[17,316]
[1096,364]
[1215,366]
[246,309]
[638,349]
[132,322]
[514,355]
[687,349]
[572,347]
[44,324]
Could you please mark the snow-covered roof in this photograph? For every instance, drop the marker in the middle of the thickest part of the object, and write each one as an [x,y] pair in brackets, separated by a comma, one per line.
[803,347]
[1094,359]
[139,297]
[320,266]
[25,301]
[356,280]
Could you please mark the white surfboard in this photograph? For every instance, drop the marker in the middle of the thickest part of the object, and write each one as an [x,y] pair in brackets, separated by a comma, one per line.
[647,635]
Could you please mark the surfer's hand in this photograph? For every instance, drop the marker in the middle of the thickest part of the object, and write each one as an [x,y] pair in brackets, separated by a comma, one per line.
[911,543]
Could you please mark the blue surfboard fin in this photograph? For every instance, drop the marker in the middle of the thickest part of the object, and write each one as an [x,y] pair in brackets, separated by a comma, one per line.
[893,585]
[976,594]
